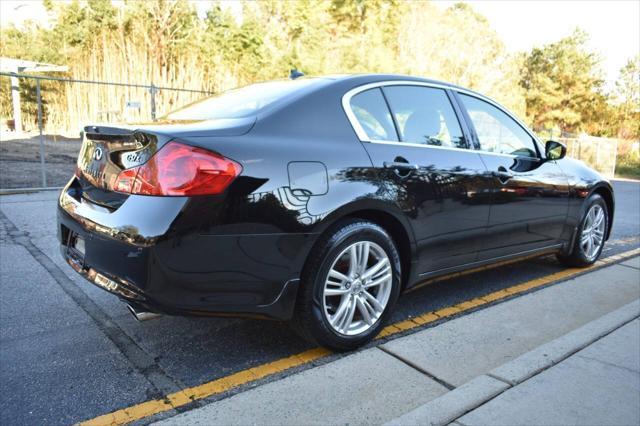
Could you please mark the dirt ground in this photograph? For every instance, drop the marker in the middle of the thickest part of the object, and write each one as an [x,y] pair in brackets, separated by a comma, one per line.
[20,160]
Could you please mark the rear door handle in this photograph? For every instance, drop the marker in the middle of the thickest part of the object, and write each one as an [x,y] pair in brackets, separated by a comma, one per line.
[396,165]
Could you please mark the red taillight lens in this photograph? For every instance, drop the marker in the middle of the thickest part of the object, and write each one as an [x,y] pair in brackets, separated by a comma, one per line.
[179,170]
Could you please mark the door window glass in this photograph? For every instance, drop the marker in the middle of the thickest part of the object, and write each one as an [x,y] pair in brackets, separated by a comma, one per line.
[372,113]
[424,115]
[496,130]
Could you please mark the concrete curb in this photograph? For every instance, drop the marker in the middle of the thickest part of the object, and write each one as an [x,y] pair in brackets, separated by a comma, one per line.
[454,404]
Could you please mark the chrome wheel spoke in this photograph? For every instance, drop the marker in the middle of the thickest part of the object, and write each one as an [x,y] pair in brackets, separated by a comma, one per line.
[598,220]
[353,261]
[364,310]
[373,301]
[585,238]
[336,291]
[378,281]
[336,319]
[344,316]
[337,275]
[364,257]
[377,268]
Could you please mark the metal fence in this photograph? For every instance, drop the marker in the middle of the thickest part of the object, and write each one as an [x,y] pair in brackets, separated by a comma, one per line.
[599,153]
[55,109]
[40,150]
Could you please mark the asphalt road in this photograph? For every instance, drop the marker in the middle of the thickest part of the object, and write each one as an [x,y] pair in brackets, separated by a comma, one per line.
[70,352]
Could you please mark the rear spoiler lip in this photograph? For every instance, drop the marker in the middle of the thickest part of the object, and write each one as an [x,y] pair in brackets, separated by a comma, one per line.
[108,132]
[219,127]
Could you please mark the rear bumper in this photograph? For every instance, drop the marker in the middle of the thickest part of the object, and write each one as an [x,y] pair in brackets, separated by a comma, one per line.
[152,253]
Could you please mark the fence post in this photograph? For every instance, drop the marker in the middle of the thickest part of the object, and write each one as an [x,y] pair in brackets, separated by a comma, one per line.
[615,158]
[597,166]
[153,90]
[42,162]
[15,102]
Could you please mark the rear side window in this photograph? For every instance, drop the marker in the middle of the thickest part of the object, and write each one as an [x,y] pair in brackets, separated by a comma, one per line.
[372,113]
[237,103]
[497,131]
[424,115]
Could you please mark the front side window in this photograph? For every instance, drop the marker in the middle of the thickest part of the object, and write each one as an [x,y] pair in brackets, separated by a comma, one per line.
[424,115]
[497,131]
[372,113]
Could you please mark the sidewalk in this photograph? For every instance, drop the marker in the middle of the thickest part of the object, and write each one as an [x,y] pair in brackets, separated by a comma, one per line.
[566,354]
[599,385]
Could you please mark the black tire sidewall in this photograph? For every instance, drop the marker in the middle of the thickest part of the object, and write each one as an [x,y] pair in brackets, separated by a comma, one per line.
[339,240]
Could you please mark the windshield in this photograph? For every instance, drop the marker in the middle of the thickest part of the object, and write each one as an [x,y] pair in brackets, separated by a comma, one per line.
[237,103]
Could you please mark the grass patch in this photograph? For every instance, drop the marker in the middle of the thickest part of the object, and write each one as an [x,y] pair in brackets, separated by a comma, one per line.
[628,162]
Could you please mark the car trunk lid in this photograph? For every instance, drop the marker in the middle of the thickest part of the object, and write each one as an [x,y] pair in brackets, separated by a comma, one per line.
[108,150]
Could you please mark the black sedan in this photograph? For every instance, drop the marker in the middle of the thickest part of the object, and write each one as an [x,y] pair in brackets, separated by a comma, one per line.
[320,200]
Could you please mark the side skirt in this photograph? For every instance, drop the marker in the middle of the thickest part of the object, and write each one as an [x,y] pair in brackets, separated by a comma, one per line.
[427,278]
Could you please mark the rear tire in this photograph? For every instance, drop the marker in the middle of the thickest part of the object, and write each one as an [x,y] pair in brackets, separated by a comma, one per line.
[591,234]
[349,286]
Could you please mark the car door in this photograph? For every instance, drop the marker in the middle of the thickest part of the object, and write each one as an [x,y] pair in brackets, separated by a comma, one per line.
[530,195]
[418,148]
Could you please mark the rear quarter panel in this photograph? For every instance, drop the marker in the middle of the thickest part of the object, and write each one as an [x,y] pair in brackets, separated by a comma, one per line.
[262,202]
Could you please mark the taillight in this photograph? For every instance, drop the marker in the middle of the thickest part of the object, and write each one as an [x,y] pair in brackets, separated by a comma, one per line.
[179,170]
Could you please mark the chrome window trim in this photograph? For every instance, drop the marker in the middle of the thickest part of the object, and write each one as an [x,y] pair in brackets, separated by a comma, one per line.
[419,145]
[363,137]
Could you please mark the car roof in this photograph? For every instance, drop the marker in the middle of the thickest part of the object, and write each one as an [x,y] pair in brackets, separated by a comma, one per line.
[362,79]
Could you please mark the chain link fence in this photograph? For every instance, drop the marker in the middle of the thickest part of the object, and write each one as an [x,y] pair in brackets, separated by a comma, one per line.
[54,111]
[599,153]
[40,150]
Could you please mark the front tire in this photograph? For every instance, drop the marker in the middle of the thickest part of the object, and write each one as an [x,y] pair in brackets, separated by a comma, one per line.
[349,286]
[591,234]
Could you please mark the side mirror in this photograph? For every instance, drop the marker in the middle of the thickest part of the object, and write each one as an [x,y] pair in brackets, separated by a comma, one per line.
[555,150]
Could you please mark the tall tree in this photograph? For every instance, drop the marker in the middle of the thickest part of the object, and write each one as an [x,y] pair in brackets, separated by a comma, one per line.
[365,34]
[458,45]
[563,84]
[627,100]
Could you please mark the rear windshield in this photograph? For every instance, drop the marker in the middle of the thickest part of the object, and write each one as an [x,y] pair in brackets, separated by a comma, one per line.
[237,103]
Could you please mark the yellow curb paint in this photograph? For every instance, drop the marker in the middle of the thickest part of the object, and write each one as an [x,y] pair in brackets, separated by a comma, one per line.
[388,331]
[447,312]
[425,318]
[188,395]
[470,304]
[492,297]
[224,384]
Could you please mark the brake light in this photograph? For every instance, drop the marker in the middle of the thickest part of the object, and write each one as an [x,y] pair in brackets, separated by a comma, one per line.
[179,170]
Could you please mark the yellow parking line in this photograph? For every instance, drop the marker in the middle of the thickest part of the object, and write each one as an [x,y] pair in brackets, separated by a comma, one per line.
[185,396]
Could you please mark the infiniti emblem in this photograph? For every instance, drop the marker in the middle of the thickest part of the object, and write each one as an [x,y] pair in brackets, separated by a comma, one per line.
[97,154]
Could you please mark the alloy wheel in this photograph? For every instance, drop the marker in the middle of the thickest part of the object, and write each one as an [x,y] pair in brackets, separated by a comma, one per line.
[357,288]
[593,229]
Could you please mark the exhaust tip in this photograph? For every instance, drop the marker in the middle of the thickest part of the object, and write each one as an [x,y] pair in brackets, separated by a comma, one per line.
[141,315]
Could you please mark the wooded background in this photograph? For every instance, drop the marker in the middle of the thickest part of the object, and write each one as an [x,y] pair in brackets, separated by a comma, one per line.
[558,86]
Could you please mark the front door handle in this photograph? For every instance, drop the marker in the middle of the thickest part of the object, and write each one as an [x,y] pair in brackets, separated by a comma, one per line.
[503,174]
